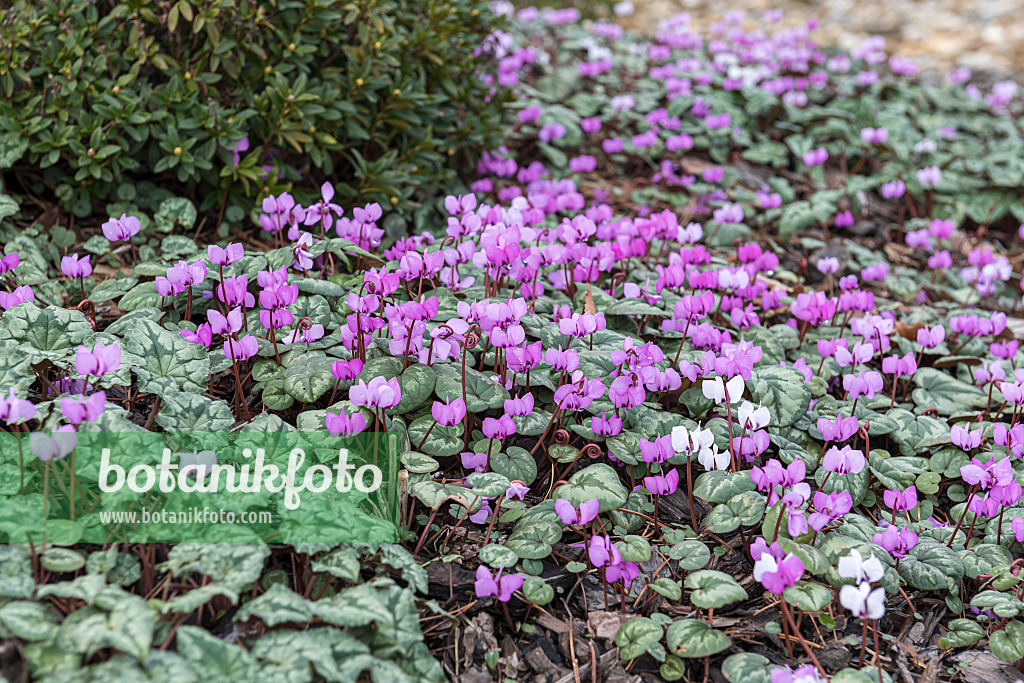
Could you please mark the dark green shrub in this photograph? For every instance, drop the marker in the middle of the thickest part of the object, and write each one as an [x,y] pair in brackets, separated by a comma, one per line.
[378,96]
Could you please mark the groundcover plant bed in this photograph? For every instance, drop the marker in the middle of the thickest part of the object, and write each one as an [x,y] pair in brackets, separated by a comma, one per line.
[710,373]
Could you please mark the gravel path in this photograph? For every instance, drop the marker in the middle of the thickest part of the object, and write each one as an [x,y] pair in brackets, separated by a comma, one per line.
[985,35]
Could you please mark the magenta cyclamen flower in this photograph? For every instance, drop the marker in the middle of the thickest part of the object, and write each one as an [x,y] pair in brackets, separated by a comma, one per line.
[10,261]
[843,461]
[519,406]
[839,430]
[965,439]
[662,484]
[225,256]
[202,335]
[98,362]
[930,337]
[816,157]
[866,383]
[121,229]
[14,410]
[775,569]
[901,367]
[243,349]
[17,297]
[501,587]
[606,426]
[570,516]
[77,410]
[602,551]
[53,446]
[380,393]
[987,474]
[896,541]
[341,424]
[449,414]
[75,267]
[498,428]
[902,501]
[346,370]
[929,176]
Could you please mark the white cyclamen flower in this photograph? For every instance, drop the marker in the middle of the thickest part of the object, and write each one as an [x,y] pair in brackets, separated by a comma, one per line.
[855,567]
[862,601]
[716,389]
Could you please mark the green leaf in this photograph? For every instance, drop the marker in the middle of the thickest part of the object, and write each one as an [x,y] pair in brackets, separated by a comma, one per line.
[747,667]
[1008,644]
[497,555]
[163,360]
[667,587]
[220,659]
[691,638]
[182,412]
[962,632]
[515,463]
[440,440]
[307,376]
[52,333]
[719,486]
[712,589]
[598,481]
[1002,604]
[945,393]
[15,572]
[810,597]
[62,560]
[417,382]
[782,390]
[634,548]
[745,508]
[930,566]
[279,605]
[691,555]
[537,590]
[482,392]
[636,635]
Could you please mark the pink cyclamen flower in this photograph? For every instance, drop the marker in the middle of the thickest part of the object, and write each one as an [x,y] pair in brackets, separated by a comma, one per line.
[225,256]
[988,473]
[75,267]
[929,176]
[14,410]
[896,541]
[346,370]
[99,361]
[501,587]
[1017,525]
[901,500]
[930,337]
[19,296]
[449,414]
[498,428]
[570,516]
[121,229]
[843,461]
[840,429]
[77,410]
[815,157]
[202,335]
[243,349]
[380,393]
[341,424]
[53,446]
[10,261]
[775,569]
[662,484]
[602,551]
[964,438]
[866,383]
[901,367]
